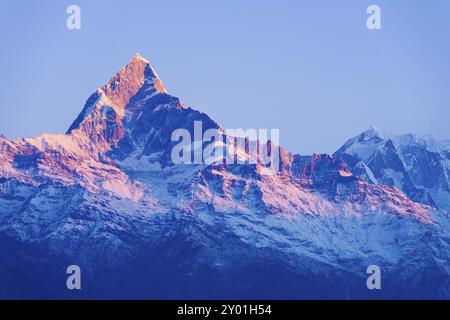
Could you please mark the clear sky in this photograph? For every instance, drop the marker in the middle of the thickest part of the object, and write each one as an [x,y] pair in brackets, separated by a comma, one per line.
[310,68]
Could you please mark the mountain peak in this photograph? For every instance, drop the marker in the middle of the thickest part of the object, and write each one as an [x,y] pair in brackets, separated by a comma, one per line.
[372,135]
[130,79]
[138,58]
[373,132]
[137,76]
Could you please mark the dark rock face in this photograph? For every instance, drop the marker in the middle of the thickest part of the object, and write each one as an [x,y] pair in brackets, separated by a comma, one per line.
[107,196]
[418,166]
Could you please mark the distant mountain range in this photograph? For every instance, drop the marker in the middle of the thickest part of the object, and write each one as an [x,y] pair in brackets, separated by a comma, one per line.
[417,165]
[107,197]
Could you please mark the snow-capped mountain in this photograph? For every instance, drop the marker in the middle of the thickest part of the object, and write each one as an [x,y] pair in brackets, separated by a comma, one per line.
[417,165]
[107,197]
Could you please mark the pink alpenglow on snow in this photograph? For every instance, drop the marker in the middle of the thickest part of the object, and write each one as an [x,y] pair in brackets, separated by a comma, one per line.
[121,140]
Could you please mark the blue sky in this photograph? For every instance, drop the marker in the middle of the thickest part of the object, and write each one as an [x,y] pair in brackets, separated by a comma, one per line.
[310,68]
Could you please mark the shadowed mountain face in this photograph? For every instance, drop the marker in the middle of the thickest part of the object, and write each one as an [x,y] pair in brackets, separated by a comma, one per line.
[417,165]
[107,196]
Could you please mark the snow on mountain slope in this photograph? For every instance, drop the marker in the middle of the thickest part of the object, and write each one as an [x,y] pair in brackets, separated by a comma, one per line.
[107,196]
[417,165]
[132,118]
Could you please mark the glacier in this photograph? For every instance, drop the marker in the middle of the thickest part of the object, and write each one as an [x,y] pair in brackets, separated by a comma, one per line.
[106,196]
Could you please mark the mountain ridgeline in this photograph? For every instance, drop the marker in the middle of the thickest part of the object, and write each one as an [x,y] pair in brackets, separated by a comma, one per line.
[107,197]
